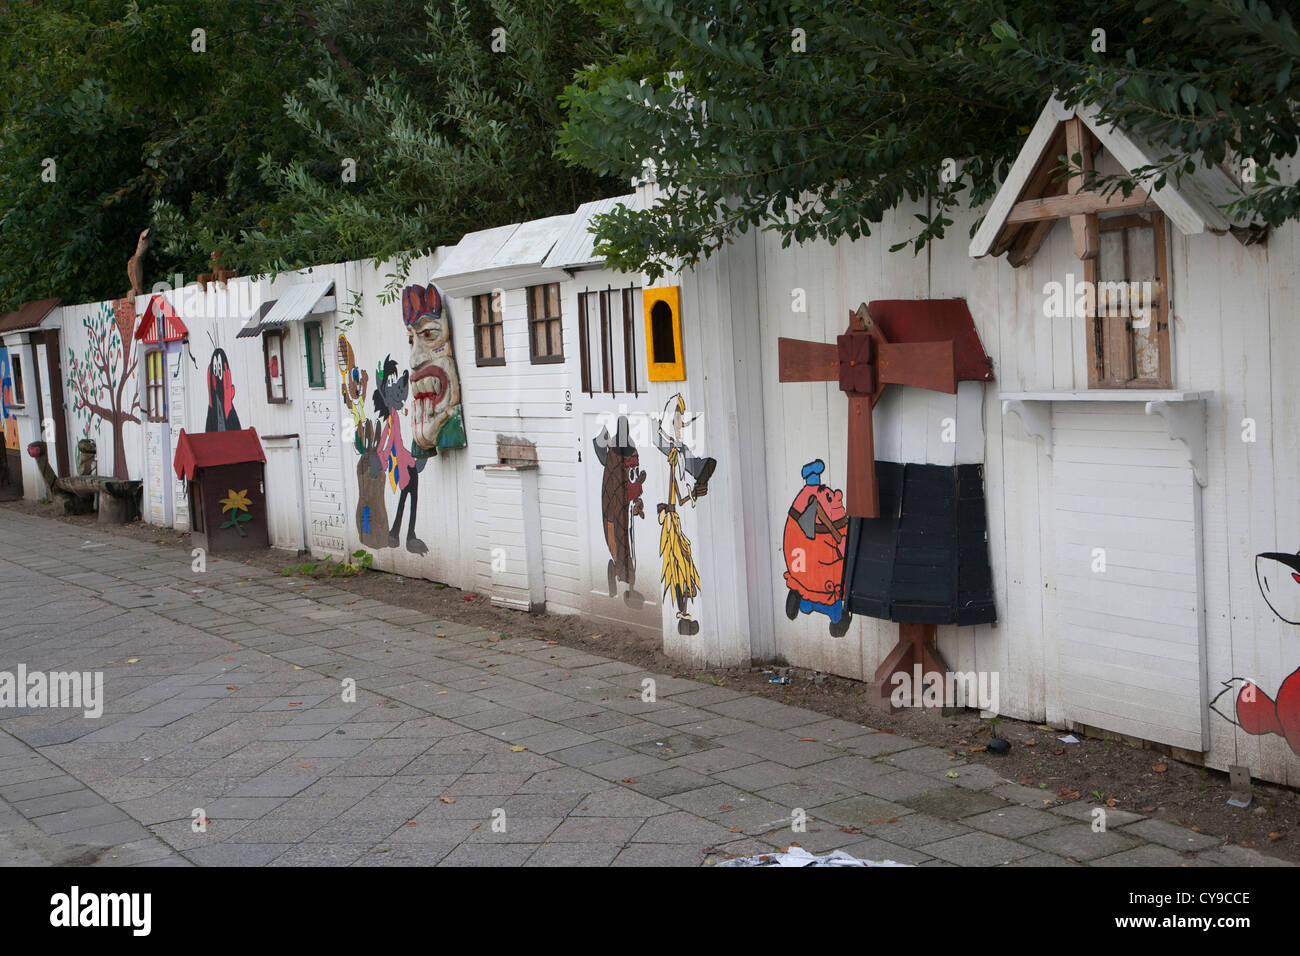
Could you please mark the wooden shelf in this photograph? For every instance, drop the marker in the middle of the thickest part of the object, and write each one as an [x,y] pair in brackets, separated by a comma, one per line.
[1183,412]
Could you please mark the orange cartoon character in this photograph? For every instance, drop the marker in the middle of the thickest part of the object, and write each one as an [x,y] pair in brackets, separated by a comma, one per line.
[816,533]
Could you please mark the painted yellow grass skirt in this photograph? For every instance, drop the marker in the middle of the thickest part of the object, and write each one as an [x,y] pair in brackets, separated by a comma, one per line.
[678,574]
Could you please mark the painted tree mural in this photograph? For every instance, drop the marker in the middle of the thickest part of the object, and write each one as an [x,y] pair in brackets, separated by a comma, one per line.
[97,379]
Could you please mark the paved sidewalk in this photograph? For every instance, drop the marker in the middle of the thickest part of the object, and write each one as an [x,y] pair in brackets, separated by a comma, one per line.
[464,747]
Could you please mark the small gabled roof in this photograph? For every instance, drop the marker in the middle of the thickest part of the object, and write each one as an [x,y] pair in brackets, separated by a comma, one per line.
[29,315]
[1194,203]
[213,449]
[160,310]
[511,255]
[296,303]
[576,247]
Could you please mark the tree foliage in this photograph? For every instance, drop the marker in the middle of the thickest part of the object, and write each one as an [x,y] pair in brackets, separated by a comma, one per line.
[816,119]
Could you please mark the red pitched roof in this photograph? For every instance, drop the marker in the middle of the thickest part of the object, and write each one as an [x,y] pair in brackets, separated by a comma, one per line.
[28,315]
[211,449]
[934,320]
[173,328]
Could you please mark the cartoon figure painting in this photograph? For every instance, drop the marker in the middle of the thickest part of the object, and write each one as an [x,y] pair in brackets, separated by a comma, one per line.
[816,533]
[1242,701]
[7,420]
[222,416]
[680,578]
[620,501]
[435,382]
[372,511]
[395,459]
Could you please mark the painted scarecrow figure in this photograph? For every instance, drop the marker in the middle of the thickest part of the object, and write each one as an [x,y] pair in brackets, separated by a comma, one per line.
[620,502]
[679,576]
[816,536]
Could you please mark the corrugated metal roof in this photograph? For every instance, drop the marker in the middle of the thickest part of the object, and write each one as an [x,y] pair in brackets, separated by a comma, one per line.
[28,315]
[474,252]
[575,247]
[294,305]
[520,246]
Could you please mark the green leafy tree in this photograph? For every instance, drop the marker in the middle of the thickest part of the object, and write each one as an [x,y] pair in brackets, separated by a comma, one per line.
[448,122]
[816,119]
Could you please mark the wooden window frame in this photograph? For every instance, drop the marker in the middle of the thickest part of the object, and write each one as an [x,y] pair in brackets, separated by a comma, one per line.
[484,319]
[16,375]
[315,363]
[155,391]
[610,363]
[673,370]
[554,326]
[278,334]
[1110,345]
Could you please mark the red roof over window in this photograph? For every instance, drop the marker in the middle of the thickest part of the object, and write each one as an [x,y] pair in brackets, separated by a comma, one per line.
[212,449]
[159,309]
[935,320]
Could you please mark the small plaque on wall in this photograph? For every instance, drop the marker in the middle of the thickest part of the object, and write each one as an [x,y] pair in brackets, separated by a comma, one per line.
[663,334]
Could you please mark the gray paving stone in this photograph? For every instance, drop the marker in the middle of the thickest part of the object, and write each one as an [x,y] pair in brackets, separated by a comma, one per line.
[977,849]
[861,811]
[1083,810]
[1077,841]
[574,854]
[954,803]
[1171,835]
[1148,854]
[237,854]
[1012,821]
[659,854]
[680,827]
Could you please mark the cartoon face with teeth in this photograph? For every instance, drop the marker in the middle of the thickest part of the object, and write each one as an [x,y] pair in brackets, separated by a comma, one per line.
[435,383]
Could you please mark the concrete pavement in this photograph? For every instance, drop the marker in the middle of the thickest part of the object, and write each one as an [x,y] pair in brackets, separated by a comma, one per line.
[224,699]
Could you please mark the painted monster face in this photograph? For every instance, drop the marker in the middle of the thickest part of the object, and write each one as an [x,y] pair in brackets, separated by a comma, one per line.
[429,337]
[1279,582]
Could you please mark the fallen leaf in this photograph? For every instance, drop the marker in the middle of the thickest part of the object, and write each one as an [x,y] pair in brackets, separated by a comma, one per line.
[725,806]
[411,823]
[1068,794]
[224,659]
[447,799]
[440,635]
[440,693]
[849,830]
[884,731]
[1058,751]
[952,773]
[735,830]
[493,640]
[552,642]
[630,780]
[1026,781]
[1111,801]
[1160,767]
[976,750]
[1248,844]
[1031,743]
[296,667]
[518,749]
[136,660]
[1275,835]
[810,740]
[669,750]
[295,703]
[232,687]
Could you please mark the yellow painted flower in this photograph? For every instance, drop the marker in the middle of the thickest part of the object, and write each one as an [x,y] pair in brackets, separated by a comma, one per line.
[235,501]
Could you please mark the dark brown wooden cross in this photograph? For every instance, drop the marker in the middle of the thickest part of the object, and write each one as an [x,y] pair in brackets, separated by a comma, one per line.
[863,361]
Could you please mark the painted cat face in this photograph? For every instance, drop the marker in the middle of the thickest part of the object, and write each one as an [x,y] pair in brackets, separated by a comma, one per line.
[1279,581]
